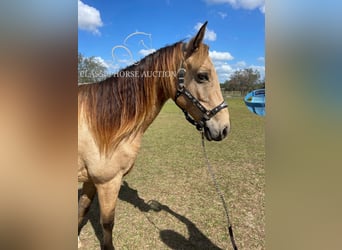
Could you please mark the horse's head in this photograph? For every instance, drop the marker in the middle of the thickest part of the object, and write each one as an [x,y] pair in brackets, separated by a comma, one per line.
[199,93]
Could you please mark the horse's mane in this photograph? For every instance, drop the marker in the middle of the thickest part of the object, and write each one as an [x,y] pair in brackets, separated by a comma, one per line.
[117,106]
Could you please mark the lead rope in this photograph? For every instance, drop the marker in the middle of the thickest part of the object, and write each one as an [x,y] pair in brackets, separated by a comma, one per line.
[210,170]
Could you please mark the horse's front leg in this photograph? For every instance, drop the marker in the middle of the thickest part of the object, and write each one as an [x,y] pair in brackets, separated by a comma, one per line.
[88,192]
[108,194]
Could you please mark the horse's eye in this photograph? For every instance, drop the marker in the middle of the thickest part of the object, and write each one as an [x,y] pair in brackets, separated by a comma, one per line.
[202,77]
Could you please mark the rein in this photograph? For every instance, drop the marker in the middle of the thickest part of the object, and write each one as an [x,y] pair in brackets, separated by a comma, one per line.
[206,114]
[210,170]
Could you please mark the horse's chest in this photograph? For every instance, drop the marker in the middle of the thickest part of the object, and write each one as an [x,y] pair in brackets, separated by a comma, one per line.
[82,173]
[102,169]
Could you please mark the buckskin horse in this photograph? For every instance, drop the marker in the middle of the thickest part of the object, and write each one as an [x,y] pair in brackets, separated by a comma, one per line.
[114,114]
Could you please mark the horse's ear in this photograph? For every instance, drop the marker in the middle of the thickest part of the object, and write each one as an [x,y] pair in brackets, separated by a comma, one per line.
[195,42]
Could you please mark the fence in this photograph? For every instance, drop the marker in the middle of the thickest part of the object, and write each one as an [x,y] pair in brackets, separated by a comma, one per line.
[231,93]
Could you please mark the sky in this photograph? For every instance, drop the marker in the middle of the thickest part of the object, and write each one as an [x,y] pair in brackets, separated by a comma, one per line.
[119,33]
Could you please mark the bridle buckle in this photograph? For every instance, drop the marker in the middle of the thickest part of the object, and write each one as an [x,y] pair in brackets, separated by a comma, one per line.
[181,76]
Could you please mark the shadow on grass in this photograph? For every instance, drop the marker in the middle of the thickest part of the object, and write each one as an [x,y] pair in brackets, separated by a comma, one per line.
[174,240]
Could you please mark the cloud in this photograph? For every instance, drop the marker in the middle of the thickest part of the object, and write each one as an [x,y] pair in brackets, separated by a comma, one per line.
[241,64]
[108,64]
[259,68]
[101,61]
[243,4]
[210,35]
[224,70]
[261,59]
[222,14]
[89,18]
[220,56]
[145,52]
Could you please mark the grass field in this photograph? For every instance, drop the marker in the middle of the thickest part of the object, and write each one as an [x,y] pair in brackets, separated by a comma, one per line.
[171,169]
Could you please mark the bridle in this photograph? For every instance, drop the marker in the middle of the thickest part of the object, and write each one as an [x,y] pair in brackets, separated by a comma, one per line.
[206,115]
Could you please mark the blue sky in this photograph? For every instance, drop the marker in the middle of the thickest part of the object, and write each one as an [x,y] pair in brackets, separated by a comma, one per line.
[121,32]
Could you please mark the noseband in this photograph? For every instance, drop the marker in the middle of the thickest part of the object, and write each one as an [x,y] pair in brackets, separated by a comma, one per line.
[206,114]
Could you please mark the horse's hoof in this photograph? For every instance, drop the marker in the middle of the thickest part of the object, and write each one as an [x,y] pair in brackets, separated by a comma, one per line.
[155,205]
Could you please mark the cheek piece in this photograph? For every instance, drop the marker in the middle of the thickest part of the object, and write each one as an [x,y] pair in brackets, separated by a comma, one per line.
[205,114]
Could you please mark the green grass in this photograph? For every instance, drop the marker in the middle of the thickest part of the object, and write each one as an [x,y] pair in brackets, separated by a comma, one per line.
[171,169]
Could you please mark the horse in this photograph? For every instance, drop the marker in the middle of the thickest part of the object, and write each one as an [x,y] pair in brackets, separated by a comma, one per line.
[113,115]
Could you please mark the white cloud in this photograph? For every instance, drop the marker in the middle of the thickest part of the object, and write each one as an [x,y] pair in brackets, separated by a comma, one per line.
[220,56]
[101,61]
[259,68]
[145,52]
[261,59]
[244,4]
[222,14]
[224,70]
[241,64]
[210,35]
[108,64]
[89,18]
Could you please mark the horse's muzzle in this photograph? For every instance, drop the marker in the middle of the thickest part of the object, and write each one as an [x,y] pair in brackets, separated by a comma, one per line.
[215,135]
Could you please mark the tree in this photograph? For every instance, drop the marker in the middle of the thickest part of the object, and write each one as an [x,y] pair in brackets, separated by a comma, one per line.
[243,80]
[90,69]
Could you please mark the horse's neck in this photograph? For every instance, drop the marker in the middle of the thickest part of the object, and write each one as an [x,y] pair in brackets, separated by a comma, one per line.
[165,87]
[164,93]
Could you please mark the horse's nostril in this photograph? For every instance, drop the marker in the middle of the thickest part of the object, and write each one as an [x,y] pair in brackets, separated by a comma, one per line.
[225,132]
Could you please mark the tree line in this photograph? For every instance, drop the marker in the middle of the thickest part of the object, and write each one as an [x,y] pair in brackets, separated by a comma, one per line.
[244,80]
